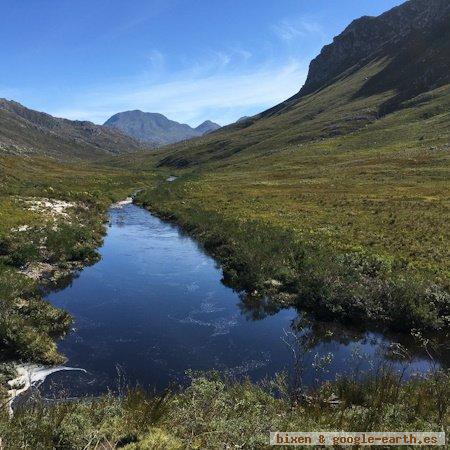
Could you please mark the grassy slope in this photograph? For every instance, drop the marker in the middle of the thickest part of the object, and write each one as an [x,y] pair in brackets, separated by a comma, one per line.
[339,181]
[383,188]
[25,131]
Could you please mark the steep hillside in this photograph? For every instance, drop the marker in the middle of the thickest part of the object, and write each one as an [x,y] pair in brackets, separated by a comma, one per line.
[24,131]
[156,129]
[415,33]
[374,67]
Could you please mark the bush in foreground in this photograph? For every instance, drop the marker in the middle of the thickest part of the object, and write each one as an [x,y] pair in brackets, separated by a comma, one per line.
[214,412]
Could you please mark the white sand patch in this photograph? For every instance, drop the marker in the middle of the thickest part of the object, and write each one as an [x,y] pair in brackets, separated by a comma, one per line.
[51,206]
[31,375]
[122,203]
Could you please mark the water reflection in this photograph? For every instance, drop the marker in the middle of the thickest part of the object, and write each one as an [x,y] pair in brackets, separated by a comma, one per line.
[155,306]
[311,333]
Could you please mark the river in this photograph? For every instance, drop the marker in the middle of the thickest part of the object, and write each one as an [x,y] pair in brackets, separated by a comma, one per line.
[154,307]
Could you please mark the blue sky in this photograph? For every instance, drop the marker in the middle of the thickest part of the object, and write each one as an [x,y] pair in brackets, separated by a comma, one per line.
[191,60]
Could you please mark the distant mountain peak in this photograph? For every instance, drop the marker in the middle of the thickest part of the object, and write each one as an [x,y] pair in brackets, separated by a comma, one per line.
[155,128]
[207,127]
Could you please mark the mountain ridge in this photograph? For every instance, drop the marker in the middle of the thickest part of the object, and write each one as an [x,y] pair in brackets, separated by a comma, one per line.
[368,34]
[352,83]
[155,128]
[27,131]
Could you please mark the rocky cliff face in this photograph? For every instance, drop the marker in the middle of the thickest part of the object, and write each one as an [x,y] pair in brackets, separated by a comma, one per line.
[366,36]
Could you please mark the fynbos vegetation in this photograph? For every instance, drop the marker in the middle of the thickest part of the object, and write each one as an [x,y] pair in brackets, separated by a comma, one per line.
[51,223]
[335,201]
[214,412]
[266,258]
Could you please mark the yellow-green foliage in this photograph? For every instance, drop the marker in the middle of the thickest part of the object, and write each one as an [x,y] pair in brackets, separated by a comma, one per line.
[375,199]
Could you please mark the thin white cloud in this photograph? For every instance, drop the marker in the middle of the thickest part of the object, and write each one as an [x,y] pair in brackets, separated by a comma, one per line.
[288,29]
[194,95]
[156,59]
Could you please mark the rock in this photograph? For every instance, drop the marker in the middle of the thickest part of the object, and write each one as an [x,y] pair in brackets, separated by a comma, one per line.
[273,283]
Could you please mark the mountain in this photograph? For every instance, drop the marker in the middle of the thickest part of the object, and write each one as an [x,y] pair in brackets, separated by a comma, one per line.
[340,193]
[207,127]
[155,128]
[375,67]
[25,131]
[400,32]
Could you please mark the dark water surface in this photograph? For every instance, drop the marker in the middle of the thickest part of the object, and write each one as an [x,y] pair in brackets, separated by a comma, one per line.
[154,307]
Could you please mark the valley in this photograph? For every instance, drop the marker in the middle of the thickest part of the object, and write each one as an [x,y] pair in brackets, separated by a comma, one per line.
[258,258]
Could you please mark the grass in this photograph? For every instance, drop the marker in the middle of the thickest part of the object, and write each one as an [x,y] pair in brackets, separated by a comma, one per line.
[214,412]
[354,226]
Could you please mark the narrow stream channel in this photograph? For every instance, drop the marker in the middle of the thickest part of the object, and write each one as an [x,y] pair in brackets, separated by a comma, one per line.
[154,307]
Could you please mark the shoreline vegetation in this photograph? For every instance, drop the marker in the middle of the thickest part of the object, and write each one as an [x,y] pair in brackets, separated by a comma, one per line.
[193,416]
[216,412]
[265,260]
[44,256]
[52,221]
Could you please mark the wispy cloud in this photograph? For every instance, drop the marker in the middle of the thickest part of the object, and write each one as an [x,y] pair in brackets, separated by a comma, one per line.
[212,89]
[156,59]
[289,29]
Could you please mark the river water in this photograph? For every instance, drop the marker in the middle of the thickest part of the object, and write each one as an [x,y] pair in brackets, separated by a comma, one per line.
[154,307]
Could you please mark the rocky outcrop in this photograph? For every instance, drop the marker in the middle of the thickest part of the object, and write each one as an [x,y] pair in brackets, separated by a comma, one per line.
[366,36]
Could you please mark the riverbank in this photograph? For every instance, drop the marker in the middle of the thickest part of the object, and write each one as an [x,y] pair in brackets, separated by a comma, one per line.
[210,412]
[266,258]
[44,256]
[41,257]
[214,412]
[52,220]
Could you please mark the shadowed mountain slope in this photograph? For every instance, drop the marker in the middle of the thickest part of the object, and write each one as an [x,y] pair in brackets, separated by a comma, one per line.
[207,127]
[24,131]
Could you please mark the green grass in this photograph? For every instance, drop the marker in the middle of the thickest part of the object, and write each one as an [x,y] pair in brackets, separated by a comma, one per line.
[29,325]
[355,226]
[214,412]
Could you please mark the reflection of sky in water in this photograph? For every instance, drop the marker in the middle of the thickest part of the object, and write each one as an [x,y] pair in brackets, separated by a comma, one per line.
[154,307]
